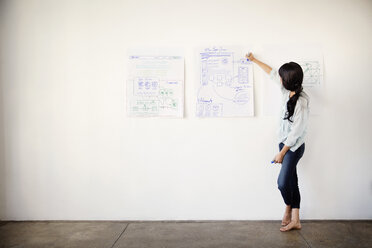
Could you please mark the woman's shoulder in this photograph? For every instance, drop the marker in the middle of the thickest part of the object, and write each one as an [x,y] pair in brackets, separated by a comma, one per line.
[304,99]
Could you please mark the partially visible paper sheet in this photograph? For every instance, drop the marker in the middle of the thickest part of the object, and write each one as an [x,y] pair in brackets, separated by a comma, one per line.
[310,58]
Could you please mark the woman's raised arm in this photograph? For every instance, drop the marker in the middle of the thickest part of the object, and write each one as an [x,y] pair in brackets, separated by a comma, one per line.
[264,66]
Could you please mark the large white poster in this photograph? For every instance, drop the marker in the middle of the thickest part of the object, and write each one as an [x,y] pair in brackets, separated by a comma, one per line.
[310,58]
[225,83]
[155,84]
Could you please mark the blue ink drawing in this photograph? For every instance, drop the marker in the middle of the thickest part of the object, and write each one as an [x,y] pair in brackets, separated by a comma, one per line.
[225,87]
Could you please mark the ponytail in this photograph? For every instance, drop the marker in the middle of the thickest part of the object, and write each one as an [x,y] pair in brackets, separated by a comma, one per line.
[292,76]
[291,104]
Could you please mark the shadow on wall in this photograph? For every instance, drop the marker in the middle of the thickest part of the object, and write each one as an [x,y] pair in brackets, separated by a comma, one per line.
[2,154]
[2,159]
[2,127]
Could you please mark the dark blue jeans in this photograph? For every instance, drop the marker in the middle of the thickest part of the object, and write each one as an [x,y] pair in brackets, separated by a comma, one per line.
[287,180]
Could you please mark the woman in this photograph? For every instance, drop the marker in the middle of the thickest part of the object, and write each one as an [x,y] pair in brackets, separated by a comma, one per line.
[292,131]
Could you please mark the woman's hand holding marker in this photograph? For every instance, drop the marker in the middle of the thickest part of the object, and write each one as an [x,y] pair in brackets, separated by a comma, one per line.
[250,56]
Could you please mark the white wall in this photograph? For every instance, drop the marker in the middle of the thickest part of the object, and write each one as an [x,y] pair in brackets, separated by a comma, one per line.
[69,152]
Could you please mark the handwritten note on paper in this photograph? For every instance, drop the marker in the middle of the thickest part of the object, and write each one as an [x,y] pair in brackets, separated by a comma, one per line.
[313,73]
[155,85]
[225,83]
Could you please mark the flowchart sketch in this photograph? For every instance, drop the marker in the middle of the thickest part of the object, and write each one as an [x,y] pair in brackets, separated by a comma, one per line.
[155,85]
[225,83]
[312,73]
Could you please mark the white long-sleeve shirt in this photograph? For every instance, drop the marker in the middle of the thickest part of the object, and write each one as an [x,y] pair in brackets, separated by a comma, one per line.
[292,134]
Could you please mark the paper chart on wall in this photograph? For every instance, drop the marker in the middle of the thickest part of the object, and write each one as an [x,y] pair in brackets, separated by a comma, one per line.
[224,82]
[155,83]
[310,58]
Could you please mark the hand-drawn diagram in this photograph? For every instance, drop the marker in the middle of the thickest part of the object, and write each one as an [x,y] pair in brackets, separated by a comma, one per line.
[155,86]
[312,73]
[225,85]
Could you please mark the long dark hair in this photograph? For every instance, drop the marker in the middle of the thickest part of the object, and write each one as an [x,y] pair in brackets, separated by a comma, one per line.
[292,76]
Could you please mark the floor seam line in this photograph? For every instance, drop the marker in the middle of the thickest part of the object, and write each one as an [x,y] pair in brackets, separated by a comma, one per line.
[120,235]
[304,239]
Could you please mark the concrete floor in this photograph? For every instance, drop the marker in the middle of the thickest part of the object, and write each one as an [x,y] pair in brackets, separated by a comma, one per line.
[184,234]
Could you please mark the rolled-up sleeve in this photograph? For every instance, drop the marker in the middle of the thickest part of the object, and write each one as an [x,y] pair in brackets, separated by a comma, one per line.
[300,117]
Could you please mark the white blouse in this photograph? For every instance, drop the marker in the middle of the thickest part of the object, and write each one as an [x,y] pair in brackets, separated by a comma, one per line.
[292,134]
